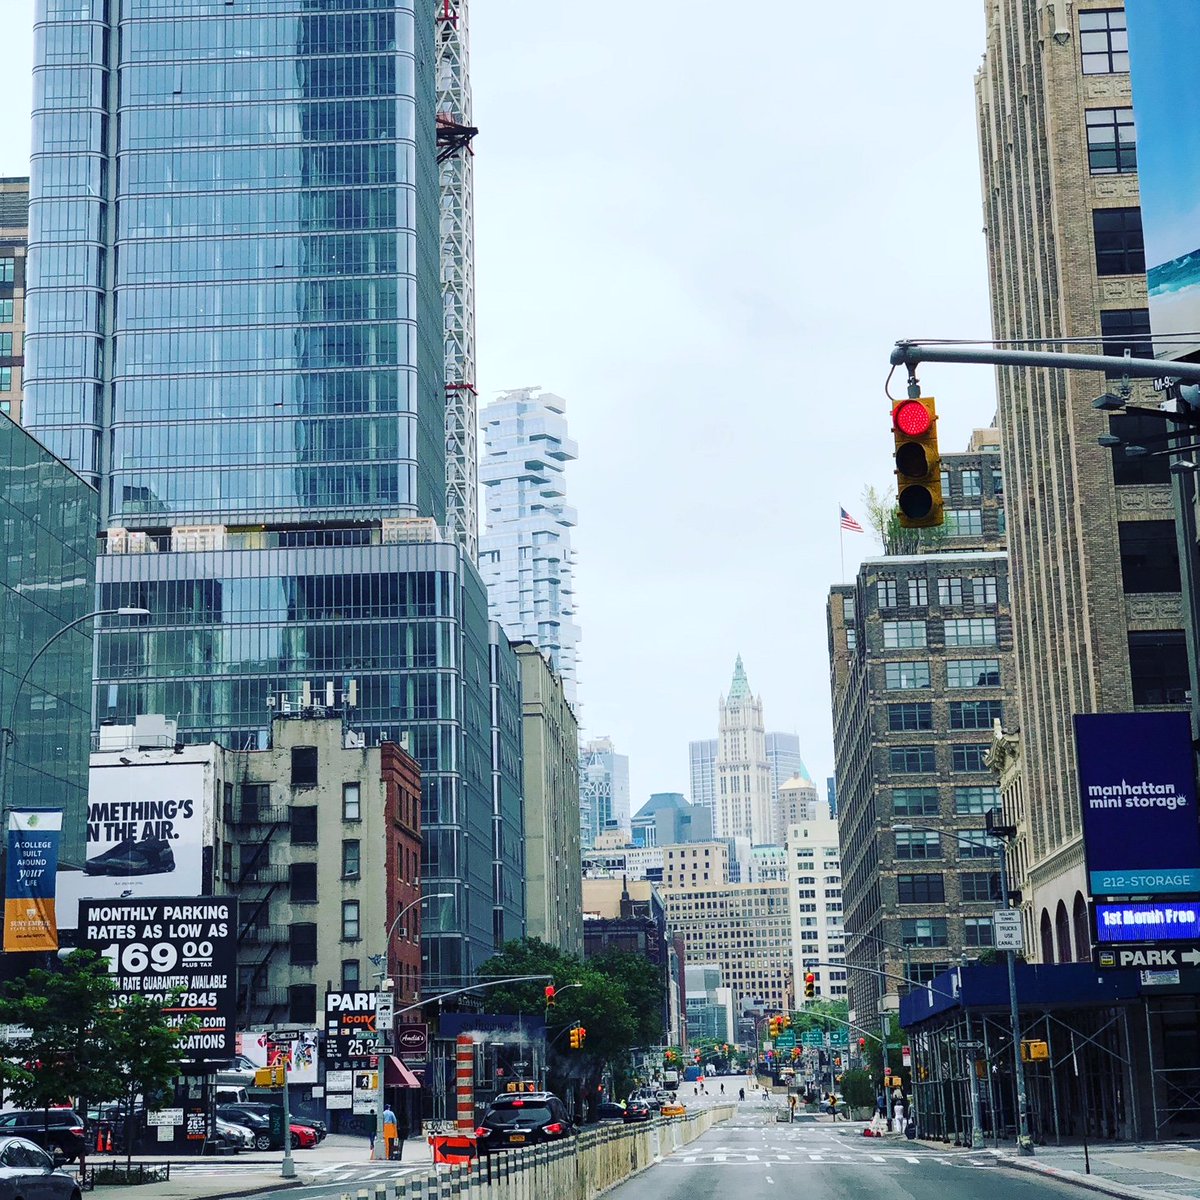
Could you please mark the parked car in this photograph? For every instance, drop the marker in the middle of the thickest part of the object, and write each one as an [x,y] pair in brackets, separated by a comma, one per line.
[523,1120]
[27,1170]
[608,1111]
[59,1128]
[238,1136]
[304,1137]
[239,1073]
[258,1123]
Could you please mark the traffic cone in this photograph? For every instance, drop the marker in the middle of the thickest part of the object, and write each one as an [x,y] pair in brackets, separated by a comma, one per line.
[99,1139]
[108,1147]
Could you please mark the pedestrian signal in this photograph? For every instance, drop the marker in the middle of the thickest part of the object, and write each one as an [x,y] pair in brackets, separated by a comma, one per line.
[918,465]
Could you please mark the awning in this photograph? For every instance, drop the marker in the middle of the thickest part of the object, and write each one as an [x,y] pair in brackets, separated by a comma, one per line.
[396,1074]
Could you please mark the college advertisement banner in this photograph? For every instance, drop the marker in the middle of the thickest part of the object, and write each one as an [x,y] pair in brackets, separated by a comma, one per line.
[180,950]
[1163,36]
[1137,788]
[147,827]
[30,922]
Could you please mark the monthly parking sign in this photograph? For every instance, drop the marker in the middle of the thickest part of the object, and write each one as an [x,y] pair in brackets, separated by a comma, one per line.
[181,951]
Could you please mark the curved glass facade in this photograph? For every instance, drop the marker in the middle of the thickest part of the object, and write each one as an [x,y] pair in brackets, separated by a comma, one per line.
[234,297]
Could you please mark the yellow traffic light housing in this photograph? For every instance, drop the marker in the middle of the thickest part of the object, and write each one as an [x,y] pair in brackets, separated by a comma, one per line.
[271,1077]
[918,464]
[810,986]
[787,1021]
[573,1038]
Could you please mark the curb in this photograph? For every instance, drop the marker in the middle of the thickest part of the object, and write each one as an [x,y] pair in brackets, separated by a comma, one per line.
[1090,1183]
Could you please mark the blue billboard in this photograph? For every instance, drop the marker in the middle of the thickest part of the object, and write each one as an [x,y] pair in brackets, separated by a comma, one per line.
[1163,38]
[1148,921]
[1137,791]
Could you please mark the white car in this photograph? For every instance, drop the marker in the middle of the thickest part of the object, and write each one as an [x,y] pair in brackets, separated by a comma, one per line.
[239,1136]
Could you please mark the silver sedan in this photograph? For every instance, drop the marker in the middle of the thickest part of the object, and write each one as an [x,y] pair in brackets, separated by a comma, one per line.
[27,1170]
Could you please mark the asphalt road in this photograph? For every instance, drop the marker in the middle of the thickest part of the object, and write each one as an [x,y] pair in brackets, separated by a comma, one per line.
[754,1158]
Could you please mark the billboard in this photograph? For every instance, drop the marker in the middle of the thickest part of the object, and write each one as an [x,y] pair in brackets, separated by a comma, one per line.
[1163,36]
[181,950]
[295,1047]
[147,827]
[29,909]
[1145,921]
[1137,785]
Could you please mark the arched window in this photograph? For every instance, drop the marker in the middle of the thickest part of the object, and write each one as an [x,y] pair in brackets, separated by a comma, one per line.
[1062,930]
[1047,938]
[1083,937]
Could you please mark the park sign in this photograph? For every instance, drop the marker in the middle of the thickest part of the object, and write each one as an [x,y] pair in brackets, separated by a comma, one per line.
[1137,788]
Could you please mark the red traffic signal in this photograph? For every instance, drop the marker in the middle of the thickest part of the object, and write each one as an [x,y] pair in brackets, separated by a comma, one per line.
[549,995]
[862,1043]
[918,464]
[810,986]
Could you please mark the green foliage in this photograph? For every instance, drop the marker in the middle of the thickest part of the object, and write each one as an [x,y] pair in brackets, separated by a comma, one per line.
[857,1089]
[884,518]
[641,984]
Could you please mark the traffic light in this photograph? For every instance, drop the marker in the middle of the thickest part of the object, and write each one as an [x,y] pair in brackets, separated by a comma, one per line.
[549,995]
[577,1036]
[787,1021]
[862,1044]
[582,1036]
[918,465]
[271,1077]
[810,986]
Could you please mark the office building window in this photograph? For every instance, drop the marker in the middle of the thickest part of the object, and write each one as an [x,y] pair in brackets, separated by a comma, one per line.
[977,931]
[972,672]
[924,931]
[915,802]
[950,590]
[1134,429]
[1158,666]
[1111,141]
[972,483]
[975,843]
[968,758]
[918,591]
[8,267]
[903,717]
[6,311]
[350,918]
[926,972]
[351,858]
[920,889]
[304,825]
[979,887]
[886,593]
[975,714]
[302,1004]
[1126,329]
[918,844]
[1149,556]
[847,608]
[997,482]
[304,766]
[964,522]
[971,631]
[900,635]
[1118,237]
[911,760]
[975,801]
[851,639]
[905,676]
[351,975]
[351,802]
[984,590]
[1104,41]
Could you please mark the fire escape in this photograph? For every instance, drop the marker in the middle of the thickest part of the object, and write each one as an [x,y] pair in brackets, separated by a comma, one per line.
[457,251]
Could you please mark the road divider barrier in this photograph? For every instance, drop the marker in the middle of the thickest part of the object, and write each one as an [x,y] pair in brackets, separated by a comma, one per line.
[577,1168]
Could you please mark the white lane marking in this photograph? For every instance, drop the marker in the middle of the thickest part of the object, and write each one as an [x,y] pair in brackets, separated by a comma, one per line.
[770,1180]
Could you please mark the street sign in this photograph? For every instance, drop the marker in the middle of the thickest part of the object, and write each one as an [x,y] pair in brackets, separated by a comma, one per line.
[1159,978]
[1006,926]
[812,1039]
[385,1009]
[786,1040]
[1160,957]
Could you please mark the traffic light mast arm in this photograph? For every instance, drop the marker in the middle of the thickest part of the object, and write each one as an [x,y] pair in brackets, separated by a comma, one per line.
[912,354]
[812,962]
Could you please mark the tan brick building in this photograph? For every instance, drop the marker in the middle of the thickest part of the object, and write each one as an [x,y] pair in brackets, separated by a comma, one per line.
[1097,619]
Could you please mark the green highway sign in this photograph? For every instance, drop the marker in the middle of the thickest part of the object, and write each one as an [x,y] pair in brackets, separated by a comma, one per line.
[786,1039]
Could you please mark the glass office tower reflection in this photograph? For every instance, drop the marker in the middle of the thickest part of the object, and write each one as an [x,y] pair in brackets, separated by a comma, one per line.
[236,331]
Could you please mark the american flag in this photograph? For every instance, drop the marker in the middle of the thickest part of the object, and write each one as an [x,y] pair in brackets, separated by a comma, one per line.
[848,522]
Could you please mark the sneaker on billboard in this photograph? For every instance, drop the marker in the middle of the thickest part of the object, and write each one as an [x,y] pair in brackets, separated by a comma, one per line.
[153,856]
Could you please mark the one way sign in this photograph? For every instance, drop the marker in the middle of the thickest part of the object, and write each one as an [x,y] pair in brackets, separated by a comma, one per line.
[1183,954]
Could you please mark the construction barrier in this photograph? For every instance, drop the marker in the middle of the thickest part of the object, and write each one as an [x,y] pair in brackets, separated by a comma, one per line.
[577,1168]
[453,1148]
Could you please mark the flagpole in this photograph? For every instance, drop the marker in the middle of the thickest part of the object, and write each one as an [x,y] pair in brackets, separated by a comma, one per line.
[842,544]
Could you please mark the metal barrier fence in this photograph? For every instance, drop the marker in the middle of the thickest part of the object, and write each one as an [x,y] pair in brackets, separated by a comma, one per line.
[573,1169]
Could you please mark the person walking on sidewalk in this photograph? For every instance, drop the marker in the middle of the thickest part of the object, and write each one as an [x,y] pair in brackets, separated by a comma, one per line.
[389,1131]
[791,1106]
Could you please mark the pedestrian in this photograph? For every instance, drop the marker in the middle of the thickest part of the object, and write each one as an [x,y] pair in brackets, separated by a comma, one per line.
[881,1103]
[389,1131]
[898,1110]
[792,1106]
[741,1093]
[722,1089]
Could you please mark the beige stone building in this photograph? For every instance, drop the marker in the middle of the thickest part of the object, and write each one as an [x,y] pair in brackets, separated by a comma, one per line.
[691,866]
[553,869]
[1094,572]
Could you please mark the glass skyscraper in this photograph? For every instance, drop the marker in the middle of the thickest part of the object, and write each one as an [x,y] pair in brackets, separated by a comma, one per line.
[236,331]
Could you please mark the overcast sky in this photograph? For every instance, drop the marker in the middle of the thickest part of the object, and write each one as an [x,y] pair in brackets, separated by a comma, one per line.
[704,224]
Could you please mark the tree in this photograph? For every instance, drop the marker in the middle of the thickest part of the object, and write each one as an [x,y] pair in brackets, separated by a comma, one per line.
[857,1089]
[641,983]
[146,1049]
[68,1055]
[884,518]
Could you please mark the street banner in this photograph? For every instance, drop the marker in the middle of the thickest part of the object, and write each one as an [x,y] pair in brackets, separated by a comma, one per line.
[30,922]
[1163,35]
[1137,788]
[181,951]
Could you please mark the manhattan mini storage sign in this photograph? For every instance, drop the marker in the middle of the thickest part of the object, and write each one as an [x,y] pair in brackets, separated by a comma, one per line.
[181,950]
[1138,794]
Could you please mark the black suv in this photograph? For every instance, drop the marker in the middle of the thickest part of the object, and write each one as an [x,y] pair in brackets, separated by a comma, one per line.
[59,1128]
[523,1119]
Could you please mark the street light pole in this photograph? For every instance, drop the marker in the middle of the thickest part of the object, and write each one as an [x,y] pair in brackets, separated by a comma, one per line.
[8,734]
[380,1034]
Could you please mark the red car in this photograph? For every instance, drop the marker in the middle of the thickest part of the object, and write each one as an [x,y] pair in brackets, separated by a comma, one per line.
[304,1137]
